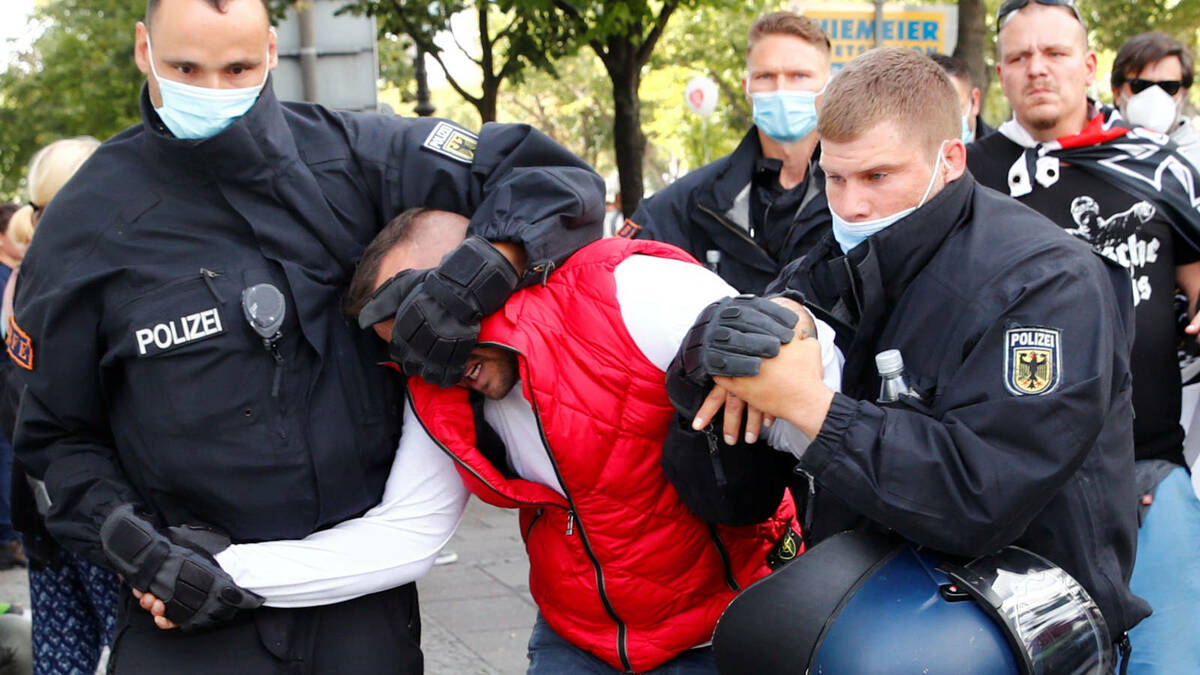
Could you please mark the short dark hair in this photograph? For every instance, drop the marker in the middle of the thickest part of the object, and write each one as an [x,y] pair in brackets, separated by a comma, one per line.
[891,84]
[362,284]
[7,210]
[219,5]
[954,67]
[1146,48]
[787,23]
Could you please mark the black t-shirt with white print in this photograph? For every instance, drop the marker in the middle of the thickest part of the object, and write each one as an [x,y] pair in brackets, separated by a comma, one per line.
[1136,234]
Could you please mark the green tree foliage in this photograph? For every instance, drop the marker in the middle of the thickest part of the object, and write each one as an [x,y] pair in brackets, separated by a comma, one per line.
[624,35]
[513,36]
[1112,22]
[78,78]
[563,105]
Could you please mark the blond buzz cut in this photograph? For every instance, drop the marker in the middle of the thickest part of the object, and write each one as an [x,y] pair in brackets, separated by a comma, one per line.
[891,84]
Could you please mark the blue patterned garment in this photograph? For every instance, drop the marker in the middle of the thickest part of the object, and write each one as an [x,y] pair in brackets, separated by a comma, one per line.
[74,613]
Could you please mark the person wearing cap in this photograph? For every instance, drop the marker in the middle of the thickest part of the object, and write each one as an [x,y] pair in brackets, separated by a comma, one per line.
[1125,191]
[1151,79]
[1015,426]
[749,213]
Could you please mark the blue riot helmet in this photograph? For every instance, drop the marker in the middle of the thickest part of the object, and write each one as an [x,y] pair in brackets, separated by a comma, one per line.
[862,602]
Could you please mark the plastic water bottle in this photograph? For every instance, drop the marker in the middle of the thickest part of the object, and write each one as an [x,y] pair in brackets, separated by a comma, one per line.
[712,258]
[891,373]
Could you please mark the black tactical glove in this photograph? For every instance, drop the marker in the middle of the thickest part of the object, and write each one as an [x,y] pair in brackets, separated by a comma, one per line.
[730,338]
[438,311]
[197,592]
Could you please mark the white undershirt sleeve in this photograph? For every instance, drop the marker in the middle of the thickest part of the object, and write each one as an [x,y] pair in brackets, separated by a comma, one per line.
[660,299]
[392,544]
[787,437]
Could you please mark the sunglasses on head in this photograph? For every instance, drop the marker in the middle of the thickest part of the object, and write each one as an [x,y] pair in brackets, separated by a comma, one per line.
[1011,6]
[1172,87]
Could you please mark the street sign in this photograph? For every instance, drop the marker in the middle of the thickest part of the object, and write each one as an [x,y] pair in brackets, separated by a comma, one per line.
[347,63]
[851,27]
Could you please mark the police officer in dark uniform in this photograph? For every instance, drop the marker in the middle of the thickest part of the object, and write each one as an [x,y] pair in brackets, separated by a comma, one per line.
[748,214]
[190,379]
[1017,425]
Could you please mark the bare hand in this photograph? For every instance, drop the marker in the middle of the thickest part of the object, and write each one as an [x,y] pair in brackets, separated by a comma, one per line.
[1193,328]
[756,420]
[156,607]
[788,386]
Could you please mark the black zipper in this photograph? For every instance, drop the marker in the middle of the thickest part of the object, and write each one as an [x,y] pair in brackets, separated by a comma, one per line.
[573,520]
[858,305]
[726,563]
[734,229]
[536,517]
[810,499]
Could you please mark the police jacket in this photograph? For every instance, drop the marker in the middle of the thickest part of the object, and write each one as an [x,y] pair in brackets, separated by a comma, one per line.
[709,210]
[145,382]
[1021,431]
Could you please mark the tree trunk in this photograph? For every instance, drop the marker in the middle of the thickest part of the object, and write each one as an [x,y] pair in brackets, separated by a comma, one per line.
[973,40]
[628,140]
[487,103]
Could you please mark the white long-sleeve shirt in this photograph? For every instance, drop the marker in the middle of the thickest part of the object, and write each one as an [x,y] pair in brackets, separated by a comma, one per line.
[395,542]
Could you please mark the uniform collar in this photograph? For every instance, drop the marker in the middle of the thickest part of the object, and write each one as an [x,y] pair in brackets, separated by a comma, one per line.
[259,138]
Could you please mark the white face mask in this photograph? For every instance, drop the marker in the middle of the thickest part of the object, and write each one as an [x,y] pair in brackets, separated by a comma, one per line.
[849,235]
[193,112]
[1153,108]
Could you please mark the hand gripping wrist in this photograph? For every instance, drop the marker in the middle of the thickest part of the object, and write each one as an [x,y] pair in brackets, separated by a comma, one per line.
[196,591]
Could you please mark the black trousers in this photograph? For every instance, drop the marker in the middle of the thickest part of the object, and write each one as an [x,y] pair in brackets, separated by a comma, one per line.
[371,635]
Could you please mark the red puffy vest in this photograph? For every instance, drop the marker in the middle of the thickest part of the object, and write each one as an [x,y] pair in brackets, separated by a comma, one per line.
[620,568]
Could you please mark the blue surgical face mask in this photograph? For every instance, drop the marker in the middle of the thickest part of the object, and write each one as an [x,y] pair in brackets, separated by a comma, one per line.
[849,235]
[193,112]
[785,115]
[968,136]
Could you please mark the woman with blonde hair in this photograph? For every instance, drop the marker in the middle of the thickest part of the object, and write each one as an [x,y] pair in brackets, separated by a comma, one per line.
[49,170]
[74,601]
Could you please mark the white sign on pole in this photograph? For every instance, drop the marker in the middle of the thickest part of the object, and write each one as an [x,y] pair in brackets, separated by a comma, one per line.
[701,95]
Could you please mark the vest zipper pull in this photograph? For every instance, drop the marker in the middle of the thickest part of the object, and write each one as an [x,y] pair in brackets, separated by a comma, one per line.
[570,523]
[714,455]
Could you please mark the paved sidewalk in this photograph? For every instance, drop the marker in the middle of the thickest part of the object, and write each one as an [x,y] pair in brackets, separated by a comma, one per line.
[476,613]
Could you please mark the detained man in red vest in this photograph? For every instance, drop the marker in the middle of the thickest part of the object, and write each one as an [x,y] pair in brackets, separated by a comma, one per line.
[563,413]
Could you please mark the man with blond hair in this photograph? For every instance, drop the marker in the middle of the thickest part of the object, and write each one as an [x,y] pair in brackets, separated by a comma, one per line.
[749,213]
[1016,428]
[1126,191]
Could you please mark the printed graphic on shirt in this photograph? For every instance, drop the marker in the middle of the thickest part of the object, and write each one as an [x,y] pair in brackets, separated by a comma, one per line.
[1119,237]
[1032,360]
[452,141]
[20,347]
[161,337]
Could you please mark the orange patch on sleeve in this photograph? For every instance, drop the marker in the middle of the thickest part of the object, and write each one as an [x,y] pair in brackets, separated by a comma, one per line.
[20,347]
[629,229]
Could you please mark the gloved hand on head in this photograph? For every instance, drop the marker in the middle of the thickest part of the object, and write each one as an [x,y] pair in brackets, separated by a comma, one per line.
[438,311]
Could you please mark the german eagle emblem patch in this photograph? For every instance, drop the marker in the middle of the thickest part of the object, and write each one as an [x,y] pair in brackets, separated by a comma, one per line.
[1032,360]
[452,141]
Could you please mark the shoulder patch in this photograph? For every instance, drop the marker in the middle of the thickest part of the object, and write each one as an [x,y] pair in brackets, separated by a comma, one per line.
[20,347]
[1032,360]
[629,230]
[452,141]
